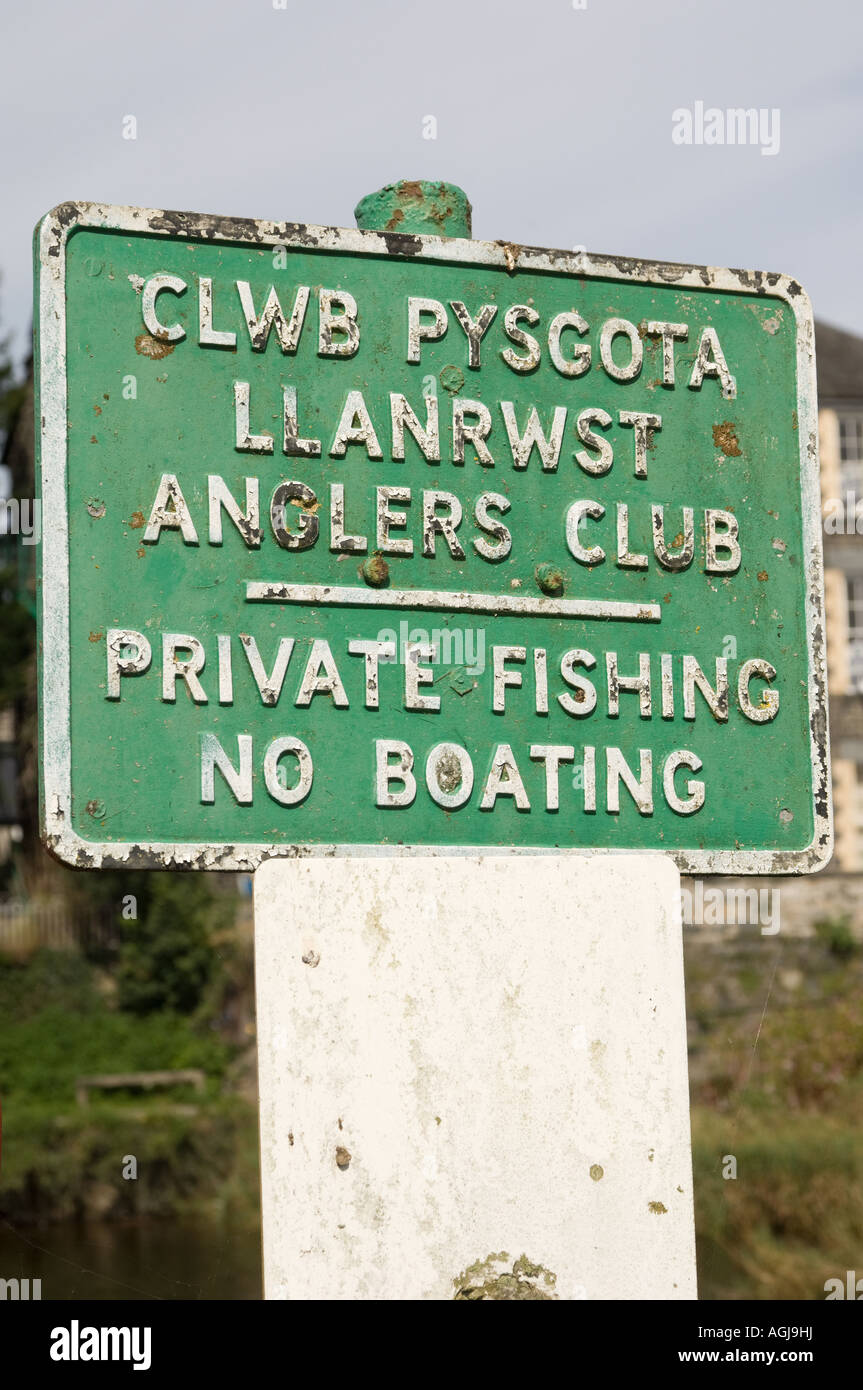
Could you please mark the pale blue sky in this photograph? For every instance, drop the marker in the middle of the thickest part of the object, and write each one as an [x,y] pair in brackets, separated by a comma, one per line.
[556,121]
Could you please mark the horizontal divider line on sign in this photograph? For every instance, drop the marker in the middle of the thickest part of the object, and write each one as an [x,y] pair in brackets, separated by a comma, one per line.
[446,601]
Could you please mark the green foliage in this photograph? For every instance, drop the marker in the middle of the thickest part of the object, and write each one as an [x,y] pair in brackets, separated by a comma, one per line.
[48,980]
[793,1216]
[60,1160]
[57,1167]
[777,1082]
[837,935]
[103,890]
[807,1058]
[12,390]
[41,1056]
[17,640]
[168,959]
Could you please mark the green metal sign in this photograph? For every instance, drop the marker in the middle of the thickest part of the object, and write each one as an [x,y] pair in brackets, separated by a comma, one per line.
[359,540]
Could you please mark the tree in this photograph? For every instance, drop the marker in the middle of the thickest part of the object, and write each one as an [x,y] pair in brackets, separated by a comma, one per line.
[13,389]
[168,958]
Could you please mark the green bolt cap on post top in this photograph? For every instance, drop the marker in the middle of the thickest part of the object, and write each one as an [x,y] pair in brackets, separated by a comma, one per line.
[418,206]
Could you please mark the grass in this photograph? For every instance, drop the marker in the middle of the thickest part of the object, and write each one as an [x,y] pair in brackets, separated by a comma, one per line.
[793,1216]
[41,1056]
[776,1078]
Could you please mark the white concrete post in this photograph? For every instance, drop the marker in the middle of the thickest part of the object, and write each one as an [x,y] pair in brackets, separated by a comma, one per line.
[469,1060]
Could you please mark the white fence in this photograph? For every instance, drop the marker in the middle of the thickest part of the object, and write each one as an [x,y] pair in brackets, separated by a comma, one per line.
[26,926]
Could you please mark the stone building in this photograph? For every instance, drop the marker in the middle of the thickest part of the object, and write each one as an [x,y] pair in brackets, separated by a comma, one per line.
[840,427]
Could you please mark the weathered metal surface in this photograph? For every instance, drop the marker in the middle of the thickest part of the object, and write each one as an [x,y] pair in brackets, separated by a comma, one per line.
[252,538]
[418,206]
[458,1076]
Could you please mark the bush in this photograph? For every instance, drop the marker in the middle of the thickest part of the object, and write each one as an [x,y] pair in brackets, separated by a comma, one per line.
[60,979]
[168,958]
[791,1219]
[837,936]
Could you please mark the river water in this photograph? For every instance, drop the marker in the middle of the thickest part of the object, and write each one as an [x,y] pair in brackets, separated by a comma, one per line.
[171,1259]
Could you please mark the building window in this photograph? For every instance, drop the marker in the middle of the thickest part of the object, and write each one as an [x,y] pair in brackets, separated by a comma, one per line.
[855,632]
[851,451]
[8,785]
[858,818]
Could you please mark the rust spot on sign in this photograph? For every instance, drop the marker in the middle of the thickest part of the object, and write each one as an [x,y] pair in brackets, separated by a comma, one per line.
[725,438]
[376,571]
[511,252]
[151,347]
[137,520]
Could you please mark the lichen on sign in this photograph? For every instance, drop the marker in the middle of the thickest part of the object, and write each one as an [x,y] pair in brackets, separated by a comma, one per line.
[491,1280]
